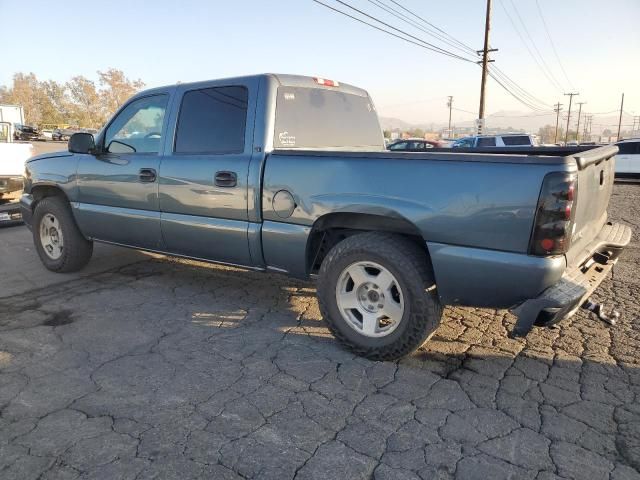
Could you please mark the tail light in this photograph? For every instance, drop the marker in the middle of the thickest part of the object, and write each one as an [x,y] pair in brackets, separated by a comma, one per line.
[325,82]
[554,215]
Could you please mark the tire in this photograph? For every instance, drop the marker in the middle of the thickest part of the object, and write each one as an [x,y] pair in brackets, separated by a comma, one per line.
[71,251]
[411,290]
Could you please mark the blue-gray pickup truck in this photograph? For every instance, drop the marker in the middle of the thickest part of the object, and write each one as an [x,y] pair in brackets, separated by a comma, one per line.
[289,174]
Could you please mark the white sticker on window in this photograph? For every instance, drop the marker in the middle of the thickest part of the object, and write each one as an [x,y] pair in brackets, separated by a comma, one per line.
[287,140]
[289,96]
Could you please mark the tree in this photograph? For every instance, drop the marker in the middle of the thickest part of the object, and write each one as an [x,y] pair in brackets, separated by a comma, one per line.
[547,134]
[416,133]
[117,88]
[86,108]
[25,91]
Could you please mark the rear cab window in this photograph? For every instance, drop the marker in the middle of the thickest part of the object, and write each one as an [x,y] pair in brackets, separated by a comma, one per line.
[517,140]
[318,118]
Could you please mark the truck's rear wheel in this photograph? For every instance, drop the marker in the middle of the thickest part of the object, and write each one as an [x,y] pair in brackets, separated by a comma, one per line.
[58,240]
[375,294]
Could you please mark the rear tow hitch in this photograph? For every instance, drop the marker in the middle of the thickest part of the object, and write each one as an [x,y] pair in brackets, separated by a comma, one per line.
[610,317]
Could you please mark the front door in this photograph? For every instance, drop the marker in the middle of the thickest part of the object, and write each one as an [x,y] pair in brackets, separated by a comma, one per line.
[204,173]
[118,186]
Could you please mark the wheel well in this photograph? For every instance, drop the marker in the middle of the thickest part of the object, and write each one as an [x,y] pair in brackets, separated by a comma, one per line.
[331,229]
[43,191]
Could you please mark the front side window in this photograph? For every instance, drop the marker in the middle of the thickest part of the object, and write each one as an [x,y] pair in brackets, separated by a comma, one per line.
[416,145]
[212,120]
[138,128]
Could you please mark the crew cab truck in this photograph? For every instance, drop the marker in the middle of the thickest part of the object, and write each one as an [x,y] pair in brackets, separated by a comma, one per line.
[289,174]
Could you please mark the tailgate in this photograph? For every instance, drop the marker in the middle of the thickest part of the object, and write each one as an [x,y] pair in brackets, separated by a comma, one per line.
[595,183]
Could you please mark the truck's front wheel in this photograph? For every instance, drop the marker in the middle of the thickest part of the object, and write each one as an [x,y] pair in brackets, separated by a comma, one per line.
[58,240]
[375,293]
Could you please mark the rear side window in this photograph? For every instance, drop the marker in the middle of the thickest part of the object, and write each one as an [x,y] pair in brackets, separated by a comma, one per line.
[212,120]
[517,140]
[317,118]
[629,148]
[487,142]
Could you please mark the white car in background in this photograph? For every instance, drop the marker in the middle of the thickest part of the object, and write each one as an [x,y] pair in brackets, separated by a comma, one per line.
[47,134]
[503,140]
[628,157]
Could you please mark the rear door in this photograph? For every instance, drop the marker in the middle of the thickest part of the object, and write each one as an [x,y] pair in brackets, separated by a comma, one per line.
[204,173]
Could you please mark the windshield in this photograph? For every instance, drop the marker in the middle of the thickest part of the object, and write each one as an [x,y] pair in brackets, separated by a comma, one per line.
[315,118]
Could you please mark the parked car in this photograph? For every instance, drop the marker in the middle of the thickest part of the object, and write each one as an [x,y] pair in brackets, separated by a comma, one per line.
[289,174]
[46,134]
[414,145]
[505,140]
[63,134]
[26,133]
[628,158]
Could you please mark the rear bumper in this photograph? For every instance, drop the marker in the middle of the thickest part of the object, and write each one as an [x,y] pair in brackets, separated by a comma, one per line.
[577,283]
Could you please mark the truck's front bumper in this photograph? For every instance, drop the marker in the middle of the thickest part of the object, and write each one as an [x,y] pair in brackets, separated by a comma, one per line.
[26,207]
[577,283]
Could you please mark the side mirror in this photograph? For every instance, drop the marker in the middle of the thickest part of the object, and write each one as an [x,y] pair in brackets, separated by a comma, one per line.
[82,143]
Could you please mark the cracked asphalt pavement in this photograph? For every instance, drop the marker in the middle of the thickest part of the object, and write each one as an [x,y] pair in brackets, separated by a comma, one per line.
[164,368]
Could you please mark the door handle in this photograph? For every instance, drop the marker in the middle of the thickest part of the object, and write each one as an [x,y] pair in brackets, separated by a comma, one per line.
[226,179]
[147,175]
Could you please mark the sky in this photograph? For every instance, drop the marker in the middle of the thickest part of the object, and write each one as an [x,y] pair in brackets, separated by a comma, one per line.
[163,42]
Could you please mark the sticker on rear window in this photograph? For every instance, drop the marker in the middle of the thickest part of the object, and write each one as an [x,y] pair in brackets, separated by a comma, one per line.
[286,140]
[289,96]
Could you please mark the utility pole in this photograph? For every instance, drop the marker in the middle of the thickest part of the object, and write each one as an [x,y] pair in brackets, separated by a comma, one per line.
[450,105]
[485,64]
[587,127]
[620,118]
[636,125]
[557,110]
[566,134]
[578,126]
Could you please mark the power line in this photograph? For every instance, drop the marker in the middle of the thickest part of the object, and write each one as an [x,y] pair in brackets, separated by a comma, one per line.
[512,88]
[432,25]
[433,47]
[398,14]
[517,89]
[386,31]
[553,46]
[531,98]
[524,42]
[533,43]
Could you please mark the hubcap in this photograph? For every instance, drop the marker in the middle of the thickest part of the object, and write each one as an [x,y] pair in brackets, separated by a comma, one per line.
[370,299]
[51,236]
